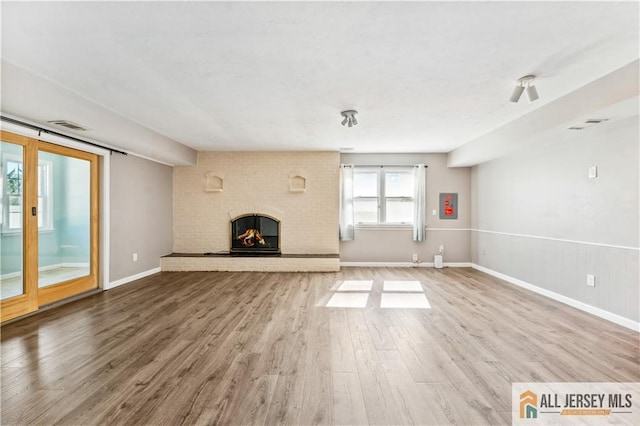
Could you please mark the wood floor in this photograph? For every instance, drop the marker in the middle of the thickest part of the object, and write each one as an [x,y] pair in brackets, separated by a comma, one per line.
[263,348]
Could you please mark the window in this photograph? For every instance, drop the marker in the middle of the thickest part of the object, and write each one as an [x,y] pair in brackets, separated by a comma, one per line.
[13,198]
[383,196]
[45,212]
[12,195]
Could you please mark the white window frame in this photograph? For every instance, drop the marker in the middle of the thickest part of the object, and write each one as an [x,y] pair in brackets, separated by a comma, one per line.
[47,199]
[381,197]
[46,213]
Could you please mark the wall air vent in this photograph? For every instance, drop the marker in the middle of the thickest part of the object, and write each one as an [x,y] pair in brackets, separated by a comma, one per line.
[68,125]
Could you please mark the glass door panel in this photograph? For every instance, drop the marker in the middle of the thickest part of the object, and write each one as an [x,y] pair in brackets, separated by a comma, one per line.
[67,207]
[18,235]
[11,223]
[64,218]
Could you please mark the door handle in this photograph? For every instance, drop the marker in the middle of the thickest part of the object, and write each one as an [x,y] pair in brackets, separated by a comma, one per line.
[34,211]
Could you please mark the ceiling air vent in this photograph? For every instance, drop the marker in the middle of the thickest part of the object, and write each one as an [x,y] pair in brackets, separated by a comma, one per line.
[68,125]
[588,123]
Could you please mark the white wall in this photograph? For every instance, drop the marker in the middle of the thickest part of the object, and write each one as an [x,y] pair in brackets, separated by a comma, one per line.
[537,217]
[395,244]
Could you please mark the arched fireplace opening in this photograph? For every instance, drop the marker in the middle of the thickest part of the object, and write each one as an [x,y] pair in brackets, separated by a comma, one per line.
[255,234]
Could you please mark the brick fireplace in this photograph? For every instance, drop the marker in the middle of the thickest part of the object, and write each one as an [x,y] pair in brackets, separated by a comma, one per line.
[299,190]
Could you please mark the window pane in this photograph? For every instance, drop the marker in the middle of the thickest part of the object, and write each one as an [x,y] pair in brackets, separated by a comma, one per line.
[399,211]
[15,212]
[40,180]
[365,184]
[40,213]
[73,215]
[11,259]
[14,190]
[14,178]
[44,194]
[365,211]
[398,184]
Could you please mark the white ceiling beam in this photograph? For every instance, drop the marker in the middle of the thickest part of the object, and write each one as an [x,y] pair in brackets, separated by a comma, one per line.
[615,93]
[35,99]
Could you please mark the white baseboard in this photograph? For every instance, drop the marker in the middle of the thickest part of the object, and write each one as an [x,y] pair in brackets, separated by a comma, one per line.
[403,264]
[130,278]
[379,264]
[49,267]
[457,264]
[609,316]
[10,275]
[74,265]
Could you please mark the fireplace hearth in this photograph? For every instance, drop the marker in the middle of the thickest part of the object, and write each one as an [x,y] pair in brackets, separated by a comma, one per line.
[255,234]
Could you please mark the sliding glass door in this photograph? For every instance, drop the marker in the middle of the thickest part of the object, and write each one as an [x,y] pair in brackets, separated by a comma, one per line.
[49,224]
[18,285]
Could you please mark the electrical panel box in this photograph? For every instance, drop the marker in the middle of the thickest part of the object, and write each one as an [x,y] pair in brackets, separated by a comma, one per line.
[448,205]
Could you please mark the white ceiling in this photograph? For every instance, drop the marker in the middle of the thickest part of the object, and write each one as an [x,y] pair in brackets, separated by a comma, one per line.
[424,76]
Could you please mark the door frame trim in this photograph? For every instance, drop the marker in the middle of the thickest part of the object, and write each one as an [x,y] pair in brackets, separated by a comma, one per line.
[62,290]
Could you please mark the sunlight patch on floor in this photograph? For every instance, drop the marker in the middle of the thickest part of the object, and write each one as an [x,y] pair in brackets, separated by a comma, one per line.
[404,300]
[402,286]
[398,294]
[356,285]
[348,300]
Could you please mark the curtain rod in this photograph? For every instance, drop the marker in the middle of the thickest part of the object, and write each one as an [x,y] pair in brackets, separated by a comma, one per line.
[51,132]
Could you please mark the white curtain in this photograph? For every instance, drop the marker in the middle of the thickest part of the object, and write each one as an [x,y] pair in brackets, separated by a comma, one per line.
[419,203]
[346,203]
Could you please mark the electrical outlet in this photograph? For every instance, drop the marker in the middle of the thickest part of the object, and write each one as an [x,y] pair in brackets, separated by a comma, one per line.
[441,248]
[135,257]
[415,257]
[434,212]
[593,172]
[591,280]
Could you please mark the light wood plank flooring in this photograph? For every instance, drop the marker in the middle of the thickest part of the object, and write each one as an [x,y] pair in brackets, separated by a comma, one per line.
[263,348]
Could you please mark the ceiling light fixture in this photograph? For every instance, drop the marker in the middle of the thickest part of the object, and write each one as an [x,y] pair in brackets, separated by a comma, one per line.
[525,84]
[349,117]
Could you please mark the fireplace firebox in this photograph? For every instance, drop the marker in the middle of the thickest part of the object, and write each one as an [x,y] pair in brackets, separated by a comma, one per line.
[255,234]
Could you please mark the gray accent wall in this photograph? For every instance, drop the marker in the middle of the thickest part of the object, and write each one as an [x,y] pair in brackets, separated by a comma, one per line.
[141,215]
[394,244]
[539,218]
